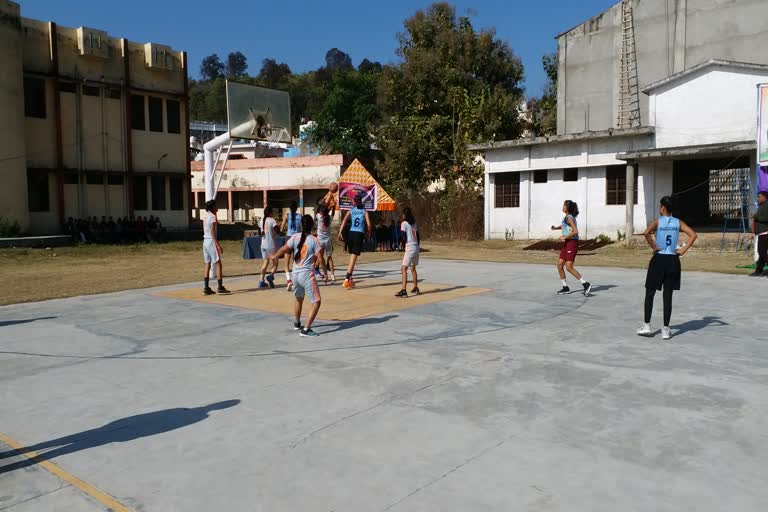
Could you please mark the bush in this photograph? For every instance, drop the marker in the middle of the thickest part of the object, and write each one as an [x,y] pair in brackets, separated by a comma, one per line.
[449,214]
[9,228]
[603,238]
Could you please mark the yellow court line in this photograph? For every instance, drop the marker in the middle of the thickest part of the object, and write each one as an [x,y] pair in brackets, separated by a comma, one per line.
[100,496]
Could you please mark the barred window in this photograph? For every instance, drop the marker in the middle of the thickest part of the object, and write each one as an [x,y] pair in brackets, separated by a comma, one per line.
[507,190]
[616,185]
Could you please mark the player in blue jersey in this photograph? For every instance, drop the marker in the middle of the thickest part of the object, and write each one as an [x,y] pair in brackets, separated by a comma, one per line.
[212,249]
[359,224]
[292,223]
[664,269]
[570,239]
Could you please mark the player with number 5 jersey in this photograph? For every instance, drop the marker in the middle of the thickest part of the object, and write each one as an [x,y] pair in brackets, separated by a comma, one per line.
[664,270]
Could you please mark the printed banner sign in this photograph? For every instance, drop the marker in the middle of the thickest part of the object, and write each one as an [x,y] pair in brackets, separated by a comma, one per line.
[762,125]
[348,192]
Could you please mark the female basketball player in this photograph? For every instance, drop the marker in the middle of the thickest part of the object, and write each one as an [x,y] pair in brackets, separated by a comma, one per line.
[359,223]
[664,268]
[268,248]
[570,248]
[324,237]
[305,250]
[411,256]
[212,249]
[293,222]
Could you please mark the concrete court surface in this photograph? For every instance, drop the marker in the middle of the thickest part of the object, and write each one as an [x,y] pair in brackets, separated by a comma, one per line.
[513,400]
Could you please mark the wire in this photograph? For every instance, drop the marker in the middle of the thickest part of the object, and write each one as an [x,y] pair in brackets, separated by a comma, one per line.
[711,177]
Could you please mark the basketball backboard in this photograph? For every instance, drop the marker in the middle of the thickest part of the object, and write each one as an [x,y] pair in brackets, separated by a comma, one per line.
[258,113]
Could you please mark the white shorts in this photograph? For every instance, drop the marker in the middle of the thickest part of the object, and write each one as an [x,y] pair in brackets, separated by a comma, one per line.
[210,254]
[305,283]
[267,252]
[411,257]
[327,247]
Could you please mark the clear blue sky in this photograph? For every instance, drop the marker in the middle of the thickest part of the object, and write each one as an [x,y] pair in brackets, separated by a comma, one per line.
[301,31]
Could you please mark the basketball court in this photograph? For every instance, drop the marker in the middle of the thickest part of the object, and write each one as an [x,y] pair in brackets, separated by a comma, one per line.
[492,393]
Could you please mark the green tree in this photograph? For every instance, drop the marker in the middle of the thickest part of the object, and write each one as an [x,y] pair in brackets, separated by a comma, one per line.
[348,110]
[454,86]
[274,74]
[543,110]
[237,65]
[211,68]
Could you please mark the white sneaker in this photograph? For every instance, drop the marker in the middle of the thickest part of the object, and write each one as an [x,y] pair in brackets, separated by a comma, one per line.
[333,278]
[645,330]
[666,333]
[289,286]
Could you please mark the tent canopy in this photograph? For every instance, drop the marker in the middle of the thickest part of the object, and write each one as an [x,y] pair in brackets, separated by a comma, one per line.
[357,173]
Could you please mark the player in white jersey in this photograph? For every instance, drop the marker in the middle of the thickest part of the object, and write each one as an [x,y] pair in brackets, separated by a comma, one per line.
[211,249]
[324,237]
[664,269]
[291,223]
[306,251]
[268,228]
[411,256]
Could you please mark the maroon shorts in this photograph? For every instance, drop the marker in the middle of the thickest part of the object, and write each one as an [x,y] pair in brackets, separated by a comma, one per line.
[569,250]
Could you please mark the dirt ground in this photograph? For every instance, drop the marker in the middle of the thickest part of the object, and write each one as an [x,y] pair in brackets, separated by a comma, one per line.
[39,274]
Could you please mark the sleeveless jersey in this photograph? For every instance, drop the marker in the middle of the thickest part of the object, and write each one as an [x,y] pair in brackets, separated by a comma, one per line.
[268,237]
[567,227]
[357,219]
[412,240]
[323,230]
[666,235]
[308,251]
[208,226]
[294,223]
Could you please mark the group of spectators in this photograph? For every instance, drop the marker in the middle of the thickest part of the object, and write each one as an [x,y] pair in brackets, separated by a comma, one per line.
[383,238]
[126,230]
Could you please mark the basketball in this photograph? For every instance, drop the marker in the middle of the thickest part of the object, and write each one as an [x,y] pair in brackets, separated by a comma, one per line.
[333,187]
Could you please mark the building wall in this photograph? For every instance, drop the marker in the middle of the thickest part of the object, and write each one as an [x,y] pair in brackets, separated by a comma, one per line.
[91,133]
[715,105]
[670,36]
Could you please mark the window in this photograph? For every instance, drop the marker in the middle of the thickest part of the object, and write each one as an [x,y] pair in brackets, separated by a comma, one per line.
[68,87]
[158,192]
[37,190]
[137,112]
[616,185]
[113,93]
[94,179]
[114,180]
[173,113]
[177,193]
[91,90]
[571,174]
[140,193]
[507,190]
[155,114]
[540,176]
[70,179]
[34,97]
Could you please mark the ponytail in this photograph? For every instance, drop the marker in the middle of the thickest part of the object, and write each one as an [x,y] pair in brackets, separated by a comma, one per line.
[267,214]
[307,223]
[294,207]
[326,215]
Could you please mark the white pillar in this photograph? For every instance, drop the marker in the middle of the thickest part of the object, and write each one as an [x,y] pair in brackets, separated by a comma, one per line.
[629,227]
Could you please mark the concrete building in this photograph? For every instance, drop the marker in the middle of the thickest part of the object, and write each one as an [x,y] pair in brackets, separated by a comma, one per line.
[248,185]
[640,116]
[92,125]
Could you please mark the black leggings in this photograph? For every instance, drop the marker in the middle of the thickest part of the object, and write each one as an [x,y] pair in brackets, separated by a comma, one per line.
[667,295]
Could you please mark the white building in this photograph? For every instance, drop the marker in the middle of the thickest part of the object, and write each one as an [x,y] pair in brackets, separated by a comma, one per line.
[701,122]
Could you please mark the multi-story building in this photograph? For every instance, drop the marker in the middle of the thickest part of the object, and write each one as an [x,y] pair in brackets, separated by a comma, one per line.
[92,125]
[654,98]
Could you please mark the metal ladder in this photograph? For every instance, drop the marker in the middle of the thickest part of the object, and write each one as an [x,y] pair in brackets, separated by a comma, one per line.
[629,90]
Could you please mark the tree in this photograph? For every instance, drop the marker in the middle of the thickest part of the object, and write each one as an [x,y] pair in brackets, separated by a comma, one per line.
[343,123]
[337,60]
[543,110]
[237,64]
[366,66]
[211,68]
[454,86]
[273,74]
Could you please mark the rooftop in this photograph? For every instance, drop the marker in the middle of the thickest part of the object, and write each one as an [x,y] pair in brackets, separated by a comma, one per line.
[277,163]
[743,66]
[568,137]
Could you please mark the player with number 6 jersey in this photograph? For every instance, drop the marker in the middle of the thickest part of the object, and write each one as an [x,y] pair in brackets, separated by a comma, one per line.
[360,223]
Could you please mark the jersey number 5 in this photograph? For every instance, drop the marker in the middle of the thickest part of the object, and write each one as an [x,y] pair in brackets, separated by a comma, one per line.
[669,240]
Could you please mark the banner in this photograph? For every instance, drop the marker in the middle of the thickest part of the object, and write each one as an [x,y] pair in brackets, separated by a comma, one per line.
[762,125]
[348,192]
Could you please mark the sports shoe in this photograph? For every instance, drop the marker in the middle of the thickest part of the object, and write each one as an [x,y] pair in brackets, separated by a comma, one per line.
[263,284]
[348,284]
[645,330]
[402,294]
[289,286]
[207,291]
[666,333]
[308,333]
[271,280]
[587,289]
[564,291]
[221,289]
[416,291]
[756,274]
[333,278]
[297,326]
